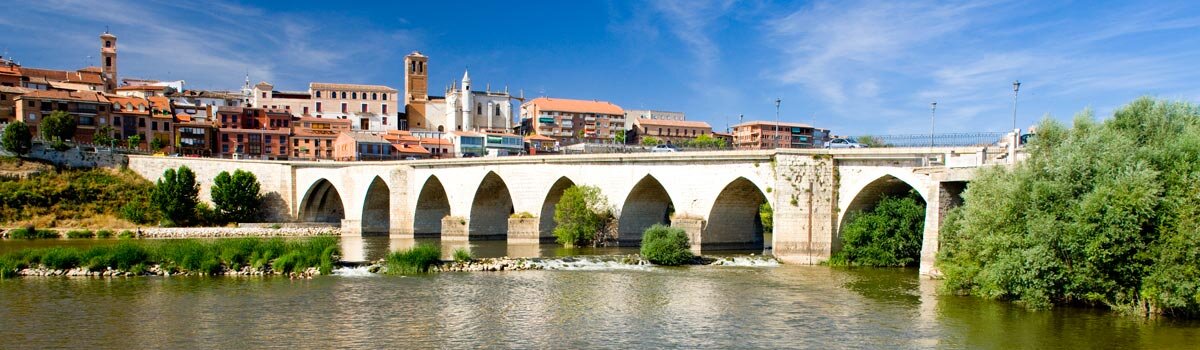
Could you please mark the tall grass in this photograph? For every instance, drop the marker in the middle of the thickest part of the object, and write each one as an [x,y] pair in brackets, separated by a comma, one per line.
[32,233]
[419,259]
[206,257]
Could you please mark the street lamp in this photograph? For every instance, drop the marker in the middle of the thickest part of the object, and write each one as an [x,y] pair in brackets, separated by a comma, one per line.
[932,121]
[1016,88]
[777,101]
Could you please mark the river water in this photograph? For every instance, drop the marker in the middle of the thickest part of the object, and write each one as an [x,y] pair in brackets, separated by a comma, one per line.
[581,305]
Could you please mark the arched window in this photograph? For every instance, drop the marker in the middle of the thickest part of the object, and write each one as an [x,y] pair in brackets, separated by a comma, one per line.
[441,128]
[343,94]
[412,66]
[385,96]
[354,95]
[318,93]
[478,108]
[374,96]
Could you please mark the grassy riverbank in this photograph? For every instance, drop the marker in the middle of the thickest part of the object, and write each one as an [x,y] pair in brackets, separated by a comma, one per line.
[251,256]
[91,198]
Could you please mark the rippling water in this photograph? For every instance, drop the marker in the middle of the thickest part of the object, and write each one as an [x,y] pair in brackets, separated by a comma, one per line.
[757,306]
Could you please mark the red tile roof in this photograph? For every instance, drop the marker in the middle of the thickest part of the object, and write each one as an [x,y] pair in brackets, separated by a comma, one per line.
[674,123]
[576,106]
[83,96]
[92,78]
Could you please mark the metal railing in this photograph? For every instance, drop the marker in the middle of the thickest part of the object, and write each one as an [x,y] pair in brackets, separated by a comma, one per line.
[963,139]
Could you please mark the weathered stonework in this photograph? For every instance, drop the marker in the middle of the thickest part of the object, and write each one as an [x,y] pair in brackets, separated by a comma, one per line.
[524,231]
[454,229]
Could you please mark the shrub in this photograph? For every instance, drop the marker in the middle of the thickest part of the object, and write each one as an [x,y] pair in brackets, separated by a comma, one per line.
[57,126]
[60,258]
[17,138]
[105,233]
[664,245]
[236,197]
[521,215]
[580,213]
[125,234]
[1100,213]
[767,216]
[887,235]
[175,194]
[32,233]
[462,255]
[81,234]
[419,259]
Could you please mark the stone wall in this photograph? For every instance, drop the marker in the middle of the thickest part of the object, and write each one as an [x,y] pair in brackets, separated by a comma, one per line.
[524,231]
[213,232]
[805,215]
[78,157]
[275,178]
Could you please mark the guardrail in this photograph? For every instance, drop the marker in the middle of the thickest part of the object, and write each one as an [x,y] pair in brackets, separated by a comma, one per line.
[936,140]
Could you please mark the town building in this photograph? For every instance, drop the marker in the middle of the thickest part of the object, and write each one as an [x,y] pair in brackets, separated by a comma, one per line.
[98,79]
[312,137]
[129,117]
[196,138]
[162,120]
[572,121]
[143,91]
[503,144]
[264,96]
[406,144]
[89,109]
[10,73]
[368,107]
[668,131]
[633,114]
[439,144]
[359,145]
[538,144]
[8,100]
[467,143]
[461,108]
[768,135]
[255,133]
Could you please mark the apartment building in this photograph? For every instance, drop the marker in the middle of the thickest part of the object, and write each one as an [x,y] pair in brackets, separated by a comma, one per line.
[572,121]
[768,135]
[313,138]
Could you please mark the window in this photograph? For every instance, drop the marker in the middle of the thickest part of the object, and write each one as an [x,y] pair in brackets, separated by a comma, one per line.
[239,149]
[478,108]
[239,138]
[224,137]
[328,143]
[267,139]
[264,95]
[318,107]
[318,93]
[384,120]
[364,108]
[374,96]
[343,108]
[354,95]
[385,96]
[141,122]
[108,61]
[385,112]
[296,142]
[108,43]
[282,140]
[116,121]
[166,126]
[224,148]
[343,94]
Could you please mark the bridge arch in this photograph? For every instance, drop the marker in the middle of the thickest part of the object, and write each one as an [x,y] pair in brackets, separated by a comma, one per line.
[546,222]
[734,221]
[322,203]
[648,203]
[376,211]
[490,209]
[432,205]
[871,194]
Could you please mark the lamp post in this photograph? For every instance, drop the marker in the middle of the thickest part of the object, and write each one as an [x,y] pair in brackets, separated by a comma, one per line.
[1016,88]
[777,101]
[932,121]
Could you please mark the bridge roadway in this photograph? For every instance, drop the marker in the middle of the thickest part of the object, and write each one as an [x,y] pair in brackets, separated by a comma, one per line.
[714,196]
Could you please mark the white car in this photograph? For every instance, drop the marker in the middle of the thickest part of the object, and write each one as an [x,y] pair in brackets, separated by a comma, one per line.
[664,148]
[843,143]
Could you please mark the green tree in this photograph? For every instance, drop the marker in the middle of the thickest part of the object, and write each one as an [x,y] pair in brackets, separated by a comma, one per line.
[58,126]
[237,197]
[650,141]
[103,136]
[156,144]
[871,141]
[887,235]
[665,245]
[767,215]
[1100,213]
[580,214]
[176,195]
[17,138]
[619,137]
[134,141]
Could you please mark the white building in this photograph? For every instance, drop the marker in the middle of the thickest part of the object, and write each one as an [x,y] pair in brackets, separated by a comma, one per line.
[635,114]
[463,109]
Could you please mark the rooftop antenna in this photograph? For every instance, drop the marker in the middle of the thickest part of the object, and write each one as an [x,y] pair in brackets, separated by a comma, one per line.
[106,29]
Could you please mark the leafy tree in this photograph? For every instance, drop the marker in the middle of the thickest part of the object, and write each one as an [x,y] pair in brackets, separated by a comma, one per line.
[888,235]
[17,138]
[619,137]
[664,245]
[871,141]
[237,197]
[581,212]
[103,136]
[134,141]
[650,141]
[58,126]
[1100,213]
[175,194]
[156,144]
[767,215]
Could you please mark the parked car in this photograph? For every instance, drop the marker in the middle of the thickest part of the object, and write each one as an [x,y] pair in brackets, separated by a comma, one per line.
[411,158]
[664,148]
[843,143]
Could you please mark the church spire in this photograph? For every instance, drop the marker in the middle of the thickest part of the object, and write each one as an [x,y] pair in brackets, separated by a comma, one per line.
[466,76]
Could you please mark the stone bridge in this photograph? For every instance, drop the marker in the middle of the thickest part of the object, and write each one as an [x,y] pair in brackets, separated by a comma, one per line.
[714,196]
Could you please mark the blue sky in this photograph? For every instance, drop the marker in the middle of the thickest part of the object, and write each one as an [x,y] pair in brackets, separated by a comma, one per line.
[857,67]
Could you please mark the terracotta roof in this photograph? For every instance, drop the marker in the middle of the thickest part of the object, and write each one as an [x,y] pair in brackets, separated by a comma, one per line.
[771,123]
[435,141]
[14,90]
[304,132]
[536,137]
[10,70]
[84,96]
[134,102]
[142,88]
[365,137]
[92,69]
[183,118]
[675,123]
[358,87]
[62,85]
[62,75]
[410,148]
[576,106]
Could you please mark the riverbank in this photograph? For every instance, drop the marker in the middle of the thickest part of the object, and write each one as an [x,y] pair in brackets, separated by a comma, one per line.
[246,231]
[577,263]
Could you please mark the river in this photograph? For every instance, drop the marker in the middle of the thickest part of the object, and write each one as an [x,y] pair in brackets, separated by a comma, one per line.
[759,305]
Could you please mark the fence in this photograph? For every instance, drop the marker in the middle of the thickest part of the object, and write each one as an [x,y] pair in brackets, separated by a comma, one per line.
[936,140]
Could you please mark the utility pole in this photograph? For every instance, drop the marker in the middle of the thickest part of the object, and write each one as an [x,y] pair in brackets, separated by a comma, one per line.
[932,121]
[777,101]
[1016,89]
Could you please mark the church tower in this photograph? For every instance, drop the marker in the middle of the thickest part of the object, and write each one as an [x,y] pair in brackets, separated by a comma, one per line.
[416,90]
[108,60]
[468,107]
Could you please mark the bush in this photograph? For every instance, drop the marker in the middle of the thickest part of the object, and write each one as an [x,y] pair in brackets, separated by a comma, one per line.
[419,259]
[60,258]
[126,234]
[81,234]
[766,215]
[185,255]
[175,194]
[237,197]
[1100,213]
[888,235]
[17,138]
[462,255]
[32,233]
[57,126]
[521,215]
[73,195]
[580,214]
[105,233]
[664,245]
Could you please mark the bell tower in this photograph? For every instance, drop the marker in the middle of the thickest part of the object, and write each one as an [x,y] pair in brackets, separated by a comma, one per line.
[108,60]
[416,90]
